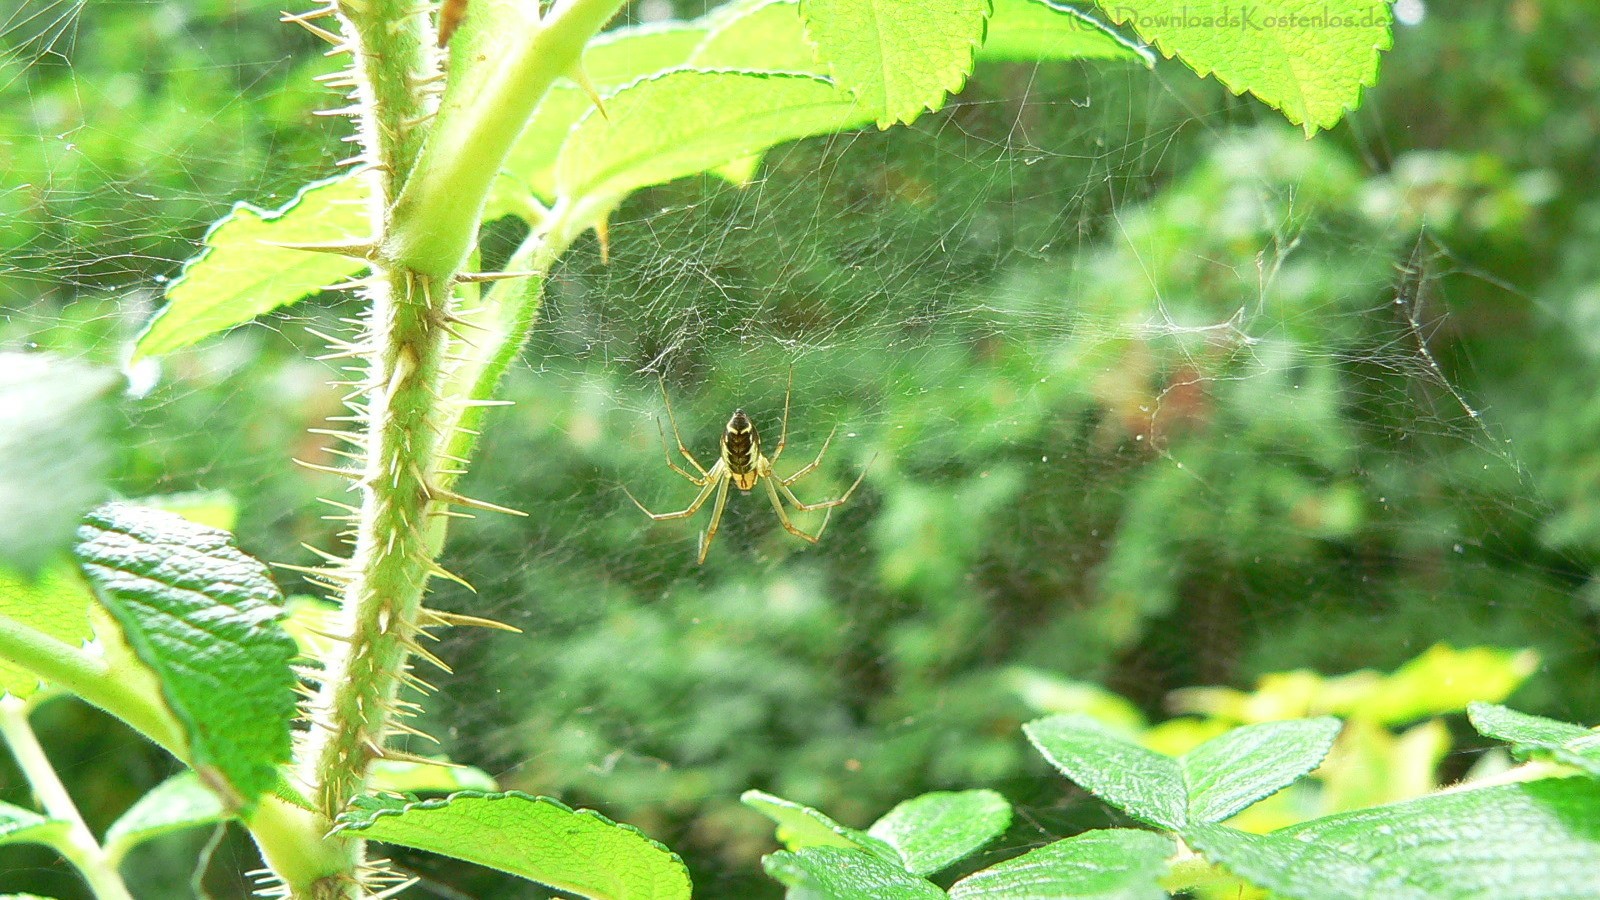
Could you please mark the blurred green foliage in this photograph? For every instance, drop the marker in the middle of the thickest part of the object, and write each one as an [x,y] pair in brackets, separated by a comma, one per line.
[1144,408]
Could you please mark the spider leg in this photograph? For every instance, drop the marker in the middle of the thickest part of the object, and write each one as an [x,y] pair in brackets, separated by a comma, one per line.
[783,433]
[713,478]
[716,519]
[812,466]
[783,517]
[678,437]
[674,466]
[826,504]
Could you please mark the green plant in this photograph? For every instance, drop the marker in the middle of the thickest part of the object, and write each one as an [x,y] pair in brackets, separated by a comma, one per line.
[182,617]
[1527,833]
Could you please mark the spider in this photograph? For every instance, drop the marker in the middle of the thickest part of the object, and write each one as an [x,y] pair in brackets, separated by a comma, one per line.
[741,463]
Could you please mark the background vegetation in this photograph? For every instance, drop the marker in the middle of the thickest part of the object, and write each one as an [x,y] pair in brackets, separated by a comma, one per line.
[1145,408]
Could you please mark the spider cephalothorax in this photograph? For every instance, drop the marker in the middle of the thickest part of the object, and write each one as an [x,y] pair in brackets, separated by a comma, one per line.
[741,463]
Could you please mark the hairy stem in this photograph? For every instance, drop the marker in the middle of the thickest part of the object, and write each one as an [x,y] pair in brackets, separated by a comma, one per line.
[79,846]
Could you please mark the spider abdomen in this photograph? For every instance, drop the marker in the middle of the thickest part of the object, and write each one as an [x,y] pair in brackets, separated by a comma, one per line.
[741,447]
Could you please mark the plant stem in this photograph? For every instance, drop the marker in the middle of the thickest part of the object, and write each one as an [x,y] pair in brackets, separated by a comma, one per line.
[437,214]
[80,848]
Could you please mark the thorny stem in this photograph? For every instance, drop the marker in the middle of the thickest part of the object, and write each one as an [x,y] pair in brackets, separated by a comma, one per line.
[421,378]
[78,845]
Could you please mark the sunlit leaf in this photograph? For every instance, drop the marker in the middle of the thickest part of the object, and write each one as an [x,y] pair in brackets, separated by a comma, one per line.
[934,830]
[1033,30]
[240,275]
[900,57]
[55,602]
[689,121]
[24,826]
[800,826]
[1308,58]
[1113,864]
[1233,770]
[581,852]
[206,619]
[1530,840]
[1564,742]
[837,873]
[1142,783]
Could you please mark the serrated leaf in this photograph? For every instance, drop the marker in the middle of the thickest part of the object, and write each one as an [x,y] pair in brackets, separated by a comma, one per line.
[1140,782]
[800,826]
[177,804]
[934,830]
[1112,864]
[1034,30]
[900,57]
[766,35]
[1233,770]
[56,420]
[536,838]
[837,873]
[206,619]
[1308,58]
[239,275]
[54,602]
[1564,742]
[24,826]
[1535,841]
[610,61]
[688,121]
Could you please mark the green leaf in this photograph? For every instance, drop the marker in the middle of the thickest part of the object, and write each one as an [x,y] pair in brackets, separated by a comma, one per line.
[206,619]
[1531,840]
[1564,742]
[837,873]
[765,35]
[54,602]
[688,121]
[611,60]
[1033,30]
[56,421]
[900,57]
[177,804]
[1235,769]
[1113,864]
[934,830]
[24,826]
[801,826]
[240,274]
[1211,782]
[1308,58]
[537,838]
[1142,783]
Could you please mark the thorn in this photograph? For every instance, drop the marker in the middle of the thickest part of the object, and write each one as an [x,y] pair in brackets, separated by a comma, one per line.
[363,250]
[395,891]
[330,557]
[426,654]
[582,78]
[417,684]
[449,619]
[442,572]
[403,728]
[356,456]
[442,495]
[304,21]
[417,759]
[471,403]
[351,110]
[349,437]
[452,514]
[472,277]
[353,476]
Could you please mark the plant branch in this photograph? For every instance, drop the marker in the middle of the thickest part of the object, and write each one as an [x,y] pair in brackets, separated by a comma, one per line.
[80,848]
[437,214]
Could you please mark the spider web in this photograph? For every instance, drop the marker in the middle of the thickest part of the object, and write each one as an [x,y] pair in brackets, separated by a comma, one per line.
[1151,392]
